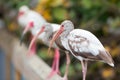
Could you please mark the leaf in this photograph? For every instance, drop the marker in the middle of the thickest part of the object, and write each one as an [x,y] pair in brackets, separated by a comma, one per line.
[59,13]
[47,15]
[71,70]
[108,73]
[43,53]
[62,69]
[45,12]
[55,3]
[115,51]
[12,26]
[87,3]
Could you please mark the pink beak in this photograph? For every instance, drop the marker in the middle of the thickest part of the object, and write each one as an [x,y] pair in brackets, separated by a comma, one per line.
[27,28]
[35,37]
[20,13]
[56,35]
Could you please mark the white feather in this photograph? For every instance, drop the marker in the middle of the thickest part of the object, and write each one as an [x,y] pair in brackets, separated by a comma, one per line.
[92,40]
[38,20]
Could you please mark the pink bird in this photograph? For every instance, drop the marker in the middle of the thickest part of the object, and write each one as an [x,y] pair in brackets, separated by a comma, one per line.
[82,44]
[32,21]
[48,29]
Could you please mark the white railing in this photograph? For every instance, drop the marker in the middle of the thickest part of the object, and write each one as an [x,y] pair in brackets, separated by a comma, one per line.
[33,68]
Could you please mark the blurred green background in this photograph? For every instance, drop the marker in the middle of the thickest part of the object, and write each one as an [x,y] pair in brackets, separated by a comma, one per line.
[101,17]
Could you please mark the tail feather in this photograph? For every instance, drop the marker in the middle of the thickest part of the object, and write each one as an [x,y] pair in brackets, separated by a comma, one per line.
[106,57]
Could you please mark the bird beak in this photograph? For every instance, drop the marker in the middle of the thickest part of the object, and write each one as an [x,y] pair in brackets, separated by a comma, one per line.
[56,35]
[20,14]
[35,37]
[21,39]
[27,28]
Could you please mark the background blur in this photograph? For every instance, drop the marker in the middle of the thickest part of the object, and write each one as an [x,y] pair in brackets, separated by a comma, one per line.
[101,17]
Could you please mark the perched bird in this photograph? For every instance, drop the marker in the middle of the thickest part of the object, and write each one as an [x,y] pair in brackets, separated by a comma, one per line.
[28,19]
[32,21]
[48,29]
[82,44]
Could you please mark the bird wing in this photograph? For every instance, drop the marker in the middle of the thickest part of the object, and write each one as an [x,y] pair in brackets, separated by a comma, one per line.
[84,44]
[55,27]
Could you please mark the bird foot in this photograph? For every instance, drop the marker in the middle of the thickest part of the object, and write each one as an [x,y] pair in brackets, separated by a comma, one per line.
[30,54]
[55,70]
[52,73]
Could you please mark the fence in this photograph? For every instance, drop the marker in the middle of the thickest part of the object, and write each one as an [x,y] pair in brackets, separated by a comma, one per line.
[15,65]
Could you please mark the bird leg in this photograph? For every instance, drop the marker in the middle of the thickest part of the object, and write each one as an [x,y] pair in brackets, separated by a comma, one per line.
[55,65]
[67,66]
[57,60]
[84,69]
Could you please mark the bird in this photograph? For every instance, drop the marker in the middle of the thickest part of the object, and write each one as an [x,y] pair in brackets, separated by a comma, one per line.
[32,21]
[26,15]
[48,29]
[82,44]
[27,19]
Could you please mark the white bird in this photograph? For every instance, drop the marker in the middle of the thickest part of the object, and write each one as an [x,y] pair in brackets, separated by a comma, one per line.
[48,29]
[25,16]
[82,44]
[32,21]
[27,19]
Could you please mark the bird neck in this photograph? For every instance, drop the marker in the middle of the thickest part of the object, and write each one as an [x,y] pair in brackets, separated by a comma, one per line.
[65,34]
[47,37]
[64,39]
[34,30]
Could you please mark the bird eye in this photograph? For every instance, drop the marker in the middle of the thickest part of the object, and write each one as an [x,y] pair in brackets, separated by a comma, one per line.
[62,25]
[43,27]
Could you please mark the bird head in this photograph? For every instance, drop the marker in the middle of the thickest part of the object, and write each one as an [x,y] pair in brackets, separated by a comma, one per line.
[29,26]
[45,28]
[48,27]
[65,26]
[23,10]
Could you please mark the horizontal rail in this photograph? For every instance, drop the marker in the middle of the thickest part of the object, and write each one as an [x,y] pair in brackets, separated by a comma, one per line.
[32,67]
